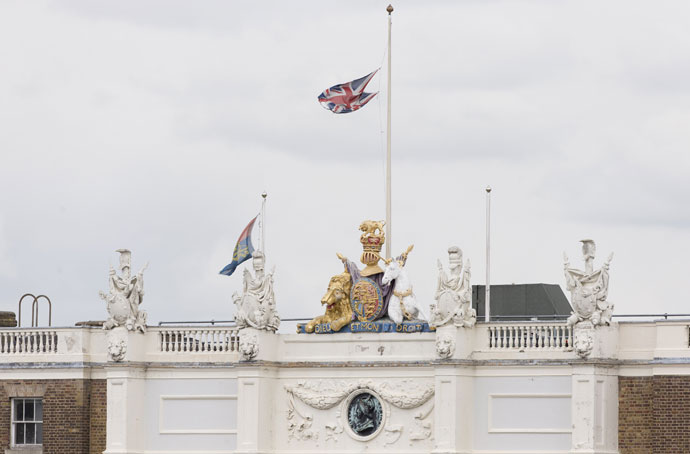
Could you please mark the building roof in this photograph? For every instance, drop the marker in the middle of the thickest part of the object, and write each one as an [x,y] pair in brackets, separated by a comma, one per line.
[522,302]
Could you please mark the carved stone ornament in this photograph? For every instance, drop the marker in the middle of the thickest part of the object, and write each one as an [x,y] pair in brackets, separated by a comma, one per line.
[445,345]
[423,429]
[249,346]
[117,350]
[125,295]
[589,288]
[256,307]
[325,394]
[454,294]
[333,429]
[583,334]
[299,424]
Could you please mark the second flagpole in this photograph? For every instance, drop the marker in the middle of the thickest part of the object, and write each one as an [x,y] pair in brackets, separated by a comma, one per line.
[263,221]
[389,239]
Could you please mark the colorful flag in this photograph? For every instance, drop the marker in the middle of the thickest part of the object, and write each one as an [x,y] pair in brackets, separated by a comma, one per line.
[347,97]
[243,249]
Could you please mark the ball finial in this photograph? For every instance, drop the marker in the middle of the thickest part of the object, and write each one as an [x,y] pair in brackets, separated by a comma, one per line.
[264,195]
[488,189]
[389,9]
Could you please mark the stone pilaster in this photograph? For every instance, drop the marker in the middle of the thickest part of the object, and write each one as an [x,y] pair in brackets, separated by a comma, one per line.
[452,421]
[594,409]
[126,387]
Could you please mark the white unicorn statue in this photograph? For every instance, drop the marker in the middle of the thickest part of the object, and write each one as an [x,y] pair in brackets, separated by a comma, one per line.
[403,304]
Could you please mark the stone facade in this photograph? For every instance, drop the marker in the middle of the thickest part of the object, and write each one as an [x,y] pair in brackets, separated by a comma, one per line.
[654,414]
[193,390]
[73,413]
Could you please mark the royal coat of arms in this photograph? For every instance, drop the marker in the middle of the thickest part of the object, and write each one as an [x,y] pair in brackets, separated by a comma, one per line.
[355,307]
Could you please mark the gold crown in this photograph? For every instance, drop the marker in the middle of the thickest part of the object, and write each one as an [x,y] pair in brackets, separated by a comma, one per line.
[372,240]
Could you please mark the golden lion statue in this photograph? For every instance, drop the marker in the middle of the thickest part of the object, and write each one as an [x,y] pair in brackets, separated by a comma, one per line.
[337,301]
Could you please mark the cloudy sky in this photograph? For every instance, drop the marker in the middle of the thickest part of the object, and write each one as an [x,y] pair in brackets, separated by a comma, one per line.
[156,125]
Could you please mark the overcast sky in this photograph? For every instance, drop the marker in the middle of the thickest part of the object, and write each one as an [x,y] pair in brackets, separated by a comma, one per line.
[156,125]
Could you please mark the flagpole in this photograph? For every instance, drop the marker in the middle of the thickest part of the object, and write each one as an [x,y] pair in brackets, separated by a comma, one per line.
[487,294]
[388,144]
[263,220]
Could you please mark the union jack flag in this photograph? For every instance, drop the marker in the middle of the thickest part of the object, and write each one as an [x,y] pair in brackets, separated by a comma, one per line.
[347,97]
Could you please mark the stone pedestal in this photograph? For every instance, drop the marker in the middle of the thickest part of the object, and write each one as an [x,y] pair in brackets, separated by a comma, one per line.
[453,342]
[258,345]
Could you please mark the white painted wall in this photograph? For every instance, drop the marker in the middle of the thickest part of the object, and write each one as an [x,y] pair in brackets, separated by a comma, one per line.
[190,415]
[522,414]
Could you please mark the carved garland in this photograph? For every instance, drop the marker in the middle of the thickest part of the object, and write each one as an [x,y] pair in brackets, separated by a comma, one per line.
[325,394]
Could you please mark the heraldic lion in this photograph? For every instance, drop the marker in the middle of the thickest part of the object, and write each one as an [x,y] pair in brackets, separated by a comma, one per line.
[337,301]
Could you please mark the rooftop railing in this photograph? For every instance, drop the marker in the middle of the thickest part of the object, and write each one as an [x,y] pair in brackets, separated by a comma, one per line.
[27,341]
[201,340]
[530,336]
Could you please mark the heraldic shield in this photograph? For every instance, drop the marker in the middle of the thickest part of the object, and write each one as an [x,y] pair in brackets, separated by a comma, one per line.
[366,299]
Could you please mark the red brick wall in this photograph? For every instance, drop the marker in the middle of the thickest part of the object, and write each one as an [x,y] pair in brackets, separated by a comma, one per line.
[671,426]
[654,414]
[98,414]
[73,415]
[635,415]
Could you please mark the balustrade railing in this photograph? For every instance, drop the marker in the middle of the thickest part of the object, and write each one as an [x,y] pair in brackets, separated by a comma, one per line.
[202,340]
[530,337]
[28,341]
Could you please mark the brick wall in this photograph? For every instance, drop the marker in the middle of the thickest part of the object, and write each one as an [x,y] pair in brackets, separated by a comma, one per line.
[654,414]
[73,413]
[635,415]
[98,414]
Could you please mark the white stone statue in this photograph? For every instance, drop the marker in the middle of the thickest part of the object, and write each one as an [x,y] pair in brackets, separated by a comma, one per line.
[125,295]
[256,307]
[589,288]
[454,294]
[403,304]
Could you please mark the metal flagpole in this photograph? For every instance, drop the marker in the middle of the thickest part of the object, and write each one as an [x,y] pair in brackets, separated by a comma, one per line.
[389,239]
[487,295]
[263,221]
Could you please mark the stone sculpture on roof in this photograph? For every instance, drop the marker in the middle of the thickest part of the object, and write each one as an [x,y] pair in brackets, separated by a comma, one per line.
[589,288]
[589,297]
[256,307]
[454,293]
[125,295]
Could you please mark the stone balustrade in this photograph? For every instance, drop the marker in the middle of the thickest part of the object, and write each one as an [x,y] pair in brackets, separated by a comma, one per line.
[203,340]
[28,341]
[644,340]
[530,336]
